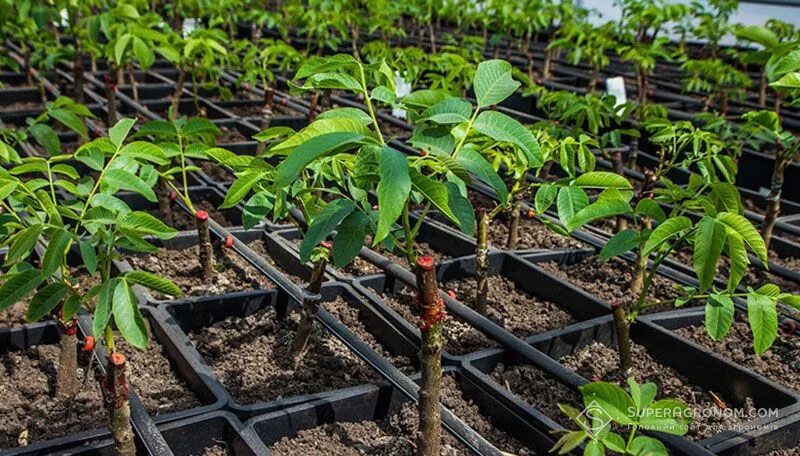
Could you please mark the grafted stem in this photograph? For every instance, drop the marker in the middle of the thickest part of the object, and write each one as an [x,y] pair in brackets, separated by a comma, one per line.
[67,379]
[482,263]
[774,199]
[164,201]
[310,305]
[431,313]
[204,245]
[623,330]
[115,397]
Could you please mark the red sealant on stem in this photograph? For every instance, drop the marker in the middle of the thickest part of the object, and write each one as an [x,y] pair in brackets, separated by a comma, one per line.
[201,215]
[326,244]
[117,359]
[173,196]
[229,242]
[426,262]
[452,294]
[789,327]
[88,344]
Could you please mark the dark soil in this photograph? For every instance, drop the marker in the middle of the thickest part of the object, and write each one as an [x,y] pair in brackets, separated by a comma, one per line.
[251,357]
[231,135]
[358,267]
[22,106]
[259,247]
[219,449]
[781,363]
[600,362]
[31,412]
[349,316]
[538,389]
[755,277]
[394,435]
[155,382]
[217,172]
[233,273]
[184,221]
[253,111]
[423,248]
[14,315]
[28,405]
[515,310]
[459,336]
[610,281]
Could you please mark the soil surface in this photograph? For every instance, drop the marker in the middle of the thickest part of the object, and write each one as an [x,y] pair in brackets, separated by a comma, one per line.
[531,234]
[217,172]
[349,316]
[22,106]
[259,247]
[251,356]
[600,362]
[459,337]
[231,134]
[155,382]
[394,435]
[781,363]
[610,281]
[253,111]
[538,389]
[30,410]
[515,310]
[219,449]
[184,221]
[14,315]
[232,272]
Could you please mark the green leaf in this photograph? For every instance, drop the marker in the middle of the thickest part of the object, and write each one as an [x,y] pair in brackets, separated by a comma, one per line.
[449,111]
[763,318]
[708,246]
[757,34]
[70,307]
[102,310]
[739,261]
[501,127]
[433,191]
[602,180]
[544,198]
[747,231]
[318,128]
[46,137]
[600,209]
[124,180]
[620,243]
[144,151]
[144,224]
[350,113]
[436,140]
[569,441]
[241,187]
[493,82]
[669,416]
[350,238]
[666,230]
[647,446]
[614,442]
[323,224]
[613,400]
[719,316]
[23,243]
[154,282]
[127,317]
[56,252]
[787,81]
[256,208]
[120,46]
[570,201]
[476,164]
[393,190]
[649,208]
[143,53]
[70,120]
[120,130]
[46,300]
[88,255]
[18,286]
[642,395]
[594,448]
[461,208]
[310,150]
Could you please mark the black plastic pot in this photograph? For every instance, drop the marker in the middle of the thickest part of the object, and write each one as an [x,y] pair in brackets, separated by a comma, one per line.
[194,314]
[375,402]
[732,382]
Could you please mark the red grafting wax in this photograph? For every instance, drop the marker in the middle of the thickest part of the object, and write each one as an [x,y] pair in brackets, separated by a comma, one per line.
[173,196]
[201,215]
[451,293]
[229,242]
[425,262]
[530,213]
[326,244]
[88,344]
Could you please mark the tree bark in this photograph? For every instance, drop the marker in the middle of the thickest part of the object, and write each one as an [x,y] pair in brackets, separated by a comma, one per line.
[111,99]
[548,62]
[115,397]
[310,308]
[67,379]
[623,330]
[266,116]
[513,224]
[619,167]
[431,312]
[482,263]
[164,202]
[77,76]
[204,244]
[762,88]
[134,85]
[176,96]
[313,107]
[774,199]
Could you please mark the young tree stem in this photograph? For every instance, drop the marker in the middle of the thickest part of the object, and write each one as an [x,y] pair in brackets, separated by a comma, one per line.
[176,96]
[774,199]
[115,396]
[67,379]
[164,203]
[111,99]
[482,263]
[623,330]
[204,245]
[431,312]
[513,224]
[310,307]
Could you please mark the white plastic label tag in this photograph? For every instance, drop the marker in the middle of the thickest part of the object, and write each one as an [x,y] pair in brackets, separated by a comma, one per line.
[616,88]
[401,89]
[189,26]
